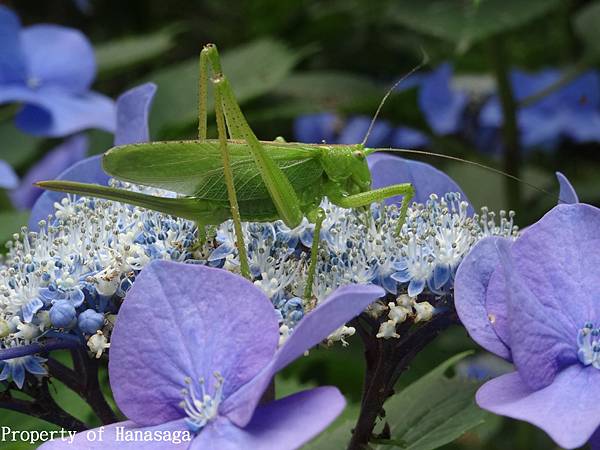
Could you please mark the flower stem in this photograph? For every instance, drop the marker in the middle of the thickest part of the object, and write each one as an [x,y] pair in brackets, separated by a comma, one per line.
[84,382]
[386,360]
[42,407]
[510,130]
[38,347]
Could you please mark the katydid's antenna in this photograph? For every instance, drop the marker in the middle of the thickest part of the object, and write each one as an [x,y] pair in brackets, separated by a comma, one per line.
[423,62]
[466,161]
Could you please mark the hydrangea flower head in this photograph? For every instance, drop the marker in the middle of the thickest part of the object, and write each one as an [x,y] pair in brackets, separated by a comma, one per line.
[534,302]
[571,112]
[201,361]
[49,69]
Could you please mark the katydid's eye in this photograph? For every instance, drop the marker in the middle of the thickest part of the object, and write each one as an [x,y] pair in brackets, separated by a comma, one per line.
[359,154]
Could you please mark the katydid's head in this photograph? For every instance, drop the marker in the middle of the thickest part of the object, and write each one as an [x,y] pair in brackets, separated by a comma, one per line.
[347,165]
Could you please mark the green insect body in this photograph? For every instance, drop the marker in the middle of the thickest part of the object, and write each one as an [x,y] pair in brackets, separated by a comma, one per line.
[194,169]
[237,176]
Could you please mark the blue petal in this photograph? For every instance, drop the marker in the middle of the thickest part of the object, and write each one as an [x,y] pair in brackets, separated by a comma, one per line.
[76,297]
[18,374]
[402,276]
[12,62]
[133,108]
[415,287]
[31,308]
[49,167]
[8,178]
[567,193]
[389,284]
[441,275]
[88,170]
[32,365]
[315,128]
[443,108]
[59,57]
[54,113]
[222,251]
[5,373]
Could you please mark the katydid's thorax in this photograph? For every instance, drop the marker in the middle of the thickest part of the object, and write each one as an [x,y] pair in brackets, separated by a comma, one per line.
[345,168]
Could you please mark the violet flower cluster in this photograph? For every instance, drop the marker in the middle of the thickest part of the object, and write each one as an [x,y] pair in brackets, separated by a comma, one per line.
[451,106]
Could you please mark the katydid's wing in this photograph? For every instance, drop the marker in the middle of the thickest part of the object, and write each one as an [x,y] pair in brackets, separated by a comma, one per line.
[195,168]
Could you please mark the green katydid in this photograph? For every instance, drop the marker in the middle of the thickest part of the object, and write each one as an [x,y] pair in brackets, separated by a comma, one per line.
[237,176]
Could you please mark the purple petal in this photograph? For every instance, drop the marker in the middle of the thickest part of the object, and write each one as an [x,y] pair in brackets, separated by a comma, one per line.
[559,259]
[48,168]
[52,112]
[12,62]
[443,108]
[133,108]
[280,425]
[113,437]
[59,57]
[567,193]
[8,177]
[88,170]
[567,409]
[343,305]
[389,169]
[551,273]
[315,128]
[470,295]
[183,320]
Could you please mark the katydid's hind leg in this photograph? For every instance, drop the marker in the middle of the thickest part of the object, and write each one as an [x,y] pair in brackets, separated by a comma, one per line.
[229,183]
[280,189]
[376,195]
[319,216]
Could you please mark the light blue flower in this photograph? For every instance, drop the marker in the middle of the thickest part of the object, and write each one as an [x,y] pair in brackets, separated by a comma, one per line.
[50,69]
[14,369]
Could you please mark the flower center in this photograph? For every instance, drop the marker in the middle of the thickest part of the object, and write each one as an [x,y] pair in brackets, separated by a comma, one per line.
[203,408]
[588,341]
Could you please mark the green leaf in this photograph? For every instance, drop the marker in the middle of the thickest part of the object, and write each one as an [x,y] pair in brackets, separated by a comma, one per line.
[434,410]
[336,436]
[11,222]
[464,23]
[253,70]
[330,89]
[585,24]
[16,148]
[122,54]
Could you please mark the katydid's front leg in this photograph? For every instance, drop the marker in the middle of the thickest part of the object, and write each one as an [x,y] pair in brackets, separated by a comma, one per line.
[377,195]
[280,189]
